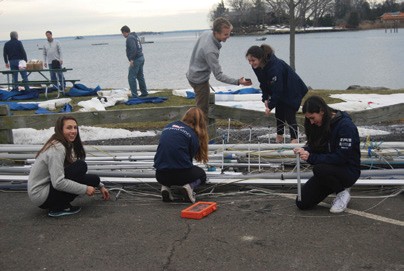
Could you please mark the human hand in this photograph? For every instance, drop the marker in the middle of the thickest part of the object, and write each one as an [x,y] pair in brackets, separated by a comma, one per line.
[245,82]
[131,63]
[7,65]
[303,154]
[45,65]
[90,191]
[105,193]
[298,150]
[267,111]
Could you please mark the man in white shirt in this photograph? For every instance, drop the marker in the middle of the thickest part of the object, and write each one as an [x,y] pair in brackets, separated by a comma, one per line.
[53,58]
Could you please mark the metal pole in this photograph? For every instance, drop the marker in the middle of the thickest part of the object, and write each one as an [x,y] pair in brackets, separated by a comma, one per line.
[299,185]
[228,132]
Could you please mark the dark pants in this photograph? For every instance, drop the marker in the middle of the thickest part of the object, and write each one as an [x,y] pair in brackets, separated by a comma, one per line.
[327,179]
[202,92]
[59,200]
[285,114]
[169,177]
[57,76]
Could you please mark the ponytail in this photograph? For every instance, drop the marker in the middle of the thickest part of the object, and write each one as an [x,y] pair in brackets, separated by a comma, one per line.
[263,53]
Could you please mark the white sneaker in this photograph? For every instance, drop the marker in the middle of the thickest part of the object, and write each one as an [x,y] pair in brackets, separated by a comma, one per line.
[188,192]
[341,201]
[166,194]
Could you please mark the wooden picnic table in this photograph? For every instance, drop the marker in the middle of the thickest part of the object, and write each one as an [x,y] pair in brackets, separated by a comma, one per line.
[46,80]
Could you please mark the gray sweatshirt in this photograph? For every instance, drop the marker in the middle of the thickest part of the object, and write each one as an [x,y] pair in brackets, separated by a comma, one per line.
[49,168]
[52,51]
[205,59]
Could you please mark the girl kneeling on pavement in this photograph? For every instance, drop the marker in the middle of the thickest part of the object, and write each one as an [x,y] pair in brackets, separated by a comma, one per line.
[59,173]
[180,143]
[333,148]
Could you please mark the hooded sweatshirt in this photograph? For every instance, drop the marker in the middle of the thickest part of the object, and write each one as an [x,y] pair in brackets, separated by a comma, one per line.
[133,46]
[343,147]
[280,83]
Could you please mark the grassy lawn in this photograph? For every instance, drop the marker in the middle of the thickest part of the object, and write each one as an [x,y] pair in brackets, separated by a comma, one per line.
[178,101]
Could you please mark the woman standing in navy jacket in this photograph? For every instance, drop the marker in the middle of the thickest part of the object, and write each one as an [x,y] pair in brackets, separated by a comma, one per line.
[181,142]
[281,88]
[333,148]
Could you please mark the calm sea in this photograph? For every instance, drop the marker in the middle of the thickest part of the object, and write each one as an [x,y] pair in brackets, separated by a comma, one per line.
[323,60]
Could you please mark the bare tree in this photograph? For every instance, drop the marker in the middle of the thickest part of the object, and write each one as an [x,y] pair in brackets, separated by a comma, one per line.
[297,12]
[293,10]
[319,9]
[240,8]
[218,10]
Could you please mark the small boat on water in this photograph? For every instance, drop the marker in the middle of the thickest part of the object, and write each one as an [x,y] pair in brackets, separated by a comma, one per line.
[101,43]
[79,38]
[143,40]
[261,39]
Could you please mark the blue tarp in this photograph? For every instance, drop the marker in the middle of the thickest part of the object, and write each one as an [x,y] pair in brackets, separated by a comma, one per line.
[154,100]
[20,106]
[191,94]
[66,108]
[241,91]
[18,95]
[81,90]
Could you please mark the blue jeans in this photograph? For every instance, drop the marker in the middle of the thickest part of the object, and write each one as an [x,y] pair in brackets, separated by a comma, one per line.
[60,78]
[136,72]
[24,74]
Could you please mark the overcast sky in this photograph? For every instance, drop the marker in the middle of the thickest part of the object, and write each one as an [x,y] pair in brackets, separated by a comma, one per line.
[31,18]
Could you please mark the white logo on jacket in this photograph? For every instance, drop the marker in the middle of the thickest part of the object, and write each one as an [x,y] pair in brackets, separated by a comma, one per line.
[345,143]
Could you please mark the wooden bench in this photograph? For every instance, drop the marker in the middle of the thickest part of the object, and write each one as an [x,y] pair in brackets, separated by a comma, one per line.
[42,82]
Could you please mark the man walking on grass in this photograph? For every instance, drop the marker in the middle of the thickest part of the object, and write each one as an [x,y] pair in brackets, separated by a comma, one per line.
[134,52]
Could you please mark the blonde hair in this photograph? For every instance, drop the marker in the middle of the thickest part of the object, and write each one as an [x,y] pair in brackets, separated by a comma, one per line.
[220,23]
[195,118]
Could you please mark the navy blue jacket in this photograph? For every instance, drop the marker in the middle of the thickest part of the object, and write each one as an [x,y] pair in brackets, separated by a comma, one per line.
[343,145]
[177,147]
[280,83]
[14,50]
[133,46]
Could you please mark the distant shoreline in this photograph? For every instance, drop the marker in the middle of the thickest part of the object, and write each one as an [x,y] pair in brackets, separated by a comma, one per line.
[273,31]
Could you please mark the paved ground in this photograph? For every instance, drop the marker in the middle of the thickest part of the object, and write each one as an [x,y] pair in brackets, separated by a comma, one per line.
[250,231]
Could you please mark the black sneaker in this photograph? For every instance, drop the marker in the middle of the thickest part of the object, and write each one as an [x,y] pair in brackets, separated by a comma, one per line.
[166,194]
[68,211]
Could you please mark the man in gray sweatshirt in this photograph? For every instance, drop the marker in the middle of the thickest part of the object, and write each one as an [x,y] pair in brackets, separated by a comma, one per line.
[205,60]
[53,58]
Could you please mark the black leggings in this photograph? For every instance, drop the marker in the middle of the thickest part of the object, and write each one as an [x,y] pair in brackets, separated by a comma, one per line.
[169,177]
[327,179]
[59,200]
[285,114]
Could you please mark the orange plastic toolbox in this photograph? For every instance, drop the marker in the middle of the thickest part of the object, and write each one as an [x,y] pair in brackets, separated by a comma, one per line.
[199,210]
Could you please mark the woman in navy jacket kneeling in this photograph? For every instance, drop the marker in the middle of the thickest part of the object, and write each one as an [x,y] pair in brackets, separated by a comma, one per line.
[333,148]
[181,142]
